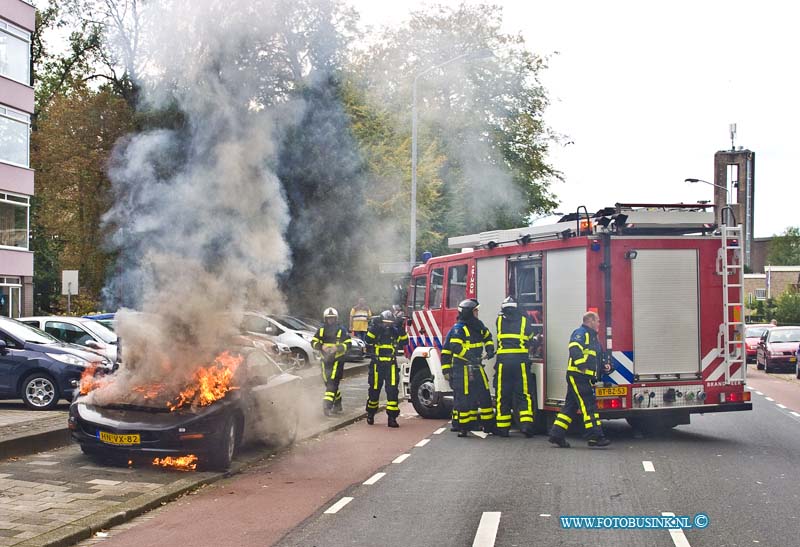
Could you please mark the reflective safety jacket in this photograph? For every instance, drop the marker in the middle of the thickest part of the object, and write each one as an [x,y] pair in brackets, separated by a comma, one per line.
[585,352]
[329,337]
[385,340]
[465,344]
[359,319]
[514,333]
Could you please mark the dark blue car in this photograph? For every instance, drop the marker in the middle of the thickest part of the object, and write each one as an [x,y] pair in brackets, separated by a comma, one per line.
[38,368]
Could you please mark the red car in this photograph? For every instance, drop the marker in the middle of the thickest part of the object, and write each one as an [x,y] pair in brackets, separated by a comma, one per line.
[778,348]
[752,335]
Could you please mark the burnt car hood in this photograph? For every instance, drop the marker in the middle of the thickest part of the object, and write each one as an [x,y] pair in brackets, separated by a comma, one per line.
[139,418]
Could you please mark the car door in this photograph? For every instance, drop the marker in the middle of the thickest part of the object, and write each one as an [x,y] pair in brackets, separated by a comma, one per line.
[13,363]
[270,400]
[762,348]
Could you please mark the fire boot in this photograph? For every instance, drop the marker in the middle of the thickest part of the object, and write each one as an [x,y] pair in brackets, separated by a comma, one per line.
[326,409]
[370,419]
[528,432]
[463,433]
[501,432]
[393,422]
[599,441]
[558,441]
[337,406]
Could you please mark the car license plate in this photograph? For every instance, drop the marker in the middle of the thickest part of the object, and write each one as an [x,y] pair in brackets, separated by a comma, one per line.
[611,391]
[120,440]
[792,359]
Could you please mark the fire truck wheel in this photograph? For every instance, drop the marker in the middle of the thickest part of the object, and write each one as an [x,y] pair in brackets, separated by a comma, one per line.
[424,398]
[653,424]
[221,458]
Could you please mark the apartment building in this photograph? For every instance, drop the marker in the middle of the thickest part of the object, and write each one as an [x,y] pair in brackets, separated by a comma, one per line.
[17,20]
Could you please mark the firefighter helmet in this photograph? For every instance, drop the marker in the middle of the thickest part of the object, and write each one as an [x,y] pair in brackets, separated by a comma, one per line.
[330,312]
[387,317]
[466,307]
[508,303]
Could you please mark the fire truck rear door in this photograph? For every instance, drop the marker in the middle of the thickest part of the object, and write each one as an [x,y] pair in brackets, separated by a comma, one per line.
[666,335]
[565,304]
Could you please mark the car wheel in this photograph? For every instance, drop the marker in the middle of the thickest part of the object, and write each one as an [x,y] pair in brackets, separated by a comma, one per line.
[759,364]
[424,397]
[797,369]
[39,391]
[766,365]
[298,359]
[222,456]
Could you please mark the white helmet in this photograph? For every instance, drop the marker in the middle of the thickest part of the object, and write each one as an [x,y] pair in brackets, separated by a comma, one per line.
[330,312]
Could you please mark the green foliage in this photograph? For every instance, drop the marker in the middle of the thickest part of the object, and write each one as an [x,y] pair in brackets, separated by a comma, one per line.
[787,311]
[784,250]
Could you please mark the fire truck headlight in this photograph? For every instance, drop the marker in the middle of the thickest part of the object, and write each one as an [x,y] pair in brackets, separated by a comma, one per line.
[690,395]
[640,398]
[701,396]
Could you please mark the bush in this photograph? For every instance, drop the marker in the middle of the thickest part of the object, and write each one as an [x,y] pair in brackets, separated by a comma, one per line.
[788,309]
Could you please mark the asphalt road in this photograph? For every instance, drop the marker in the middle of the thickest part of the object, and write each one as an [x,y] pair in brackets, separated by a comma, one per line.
[738,468]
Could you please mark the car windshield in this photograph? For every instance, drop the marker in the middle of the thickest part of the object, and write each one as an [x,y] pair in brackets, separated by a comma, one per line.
[26,332]
[754,332]
[101,331]
[788,335]
[291,322]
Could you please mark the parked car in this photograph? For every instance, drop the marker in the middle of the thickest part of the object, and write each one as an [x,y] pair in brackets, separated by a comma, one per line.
[107,319]
[777,348]
[38,368]
[299,341]
[752,335]
[93,335]
[357,351]
[262,409]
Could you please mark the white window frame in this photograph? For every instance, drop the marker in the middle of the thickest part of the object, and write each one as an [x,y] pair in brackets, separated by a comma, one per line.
[25,36]
[19,116]
[761,294]
[25,201]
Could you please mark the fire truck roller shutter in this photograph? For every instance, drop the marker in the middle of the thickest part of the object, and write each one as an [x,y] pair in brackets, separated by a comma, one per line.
[666,330]
[491,274]
[565,304]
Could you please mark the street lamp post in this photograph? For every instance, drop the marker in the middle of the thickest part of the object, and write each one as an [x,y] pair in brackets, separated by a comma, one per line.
[727,200]
[412,258]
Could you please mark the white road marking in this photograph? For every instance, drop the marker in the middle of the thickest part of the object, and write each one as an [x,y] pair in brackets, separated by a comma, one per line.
[440,431]
[648,466]
[401,458]
[544,515]
[769,399]
[677,535]
[780,405]
[795,414]
[333,509]
[422,443]
[374,478]
[759,393]
[487,530]
[480,434]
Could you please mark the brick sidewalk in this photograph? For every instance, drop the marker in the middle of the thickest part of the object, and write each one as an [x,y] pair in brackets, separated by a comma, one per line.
[61,496]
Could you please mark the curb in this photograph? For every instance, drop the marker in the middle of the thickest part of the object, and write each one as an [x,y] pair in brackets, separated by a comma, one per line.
[88,526]
[24,445]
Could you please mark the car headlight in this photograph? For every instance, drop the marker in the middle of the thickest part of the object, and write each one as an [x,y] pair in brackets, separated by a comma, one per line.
[69,359]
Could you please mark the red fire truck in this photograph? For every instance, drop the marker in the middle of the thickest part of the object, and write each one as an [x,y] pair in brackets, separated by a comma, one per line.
[666,281]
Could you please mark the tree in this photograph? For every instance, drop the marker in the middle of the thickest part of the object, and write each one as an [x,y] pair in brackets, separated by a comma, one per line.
[784,250]
[788,309]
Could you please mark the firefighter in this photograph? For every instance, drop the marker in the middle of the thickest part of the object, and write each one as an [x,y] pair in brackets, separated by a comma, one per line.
[359,319]
[385,338]
[333,342]
[584,365]
[514,336]
[462,367]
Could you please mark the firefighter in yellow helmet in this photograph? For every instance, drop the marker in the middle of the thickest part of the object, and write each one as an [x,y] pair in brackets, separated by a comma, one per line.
[332,341]
[385,337]
[585,364]
[511,377]
[462,366]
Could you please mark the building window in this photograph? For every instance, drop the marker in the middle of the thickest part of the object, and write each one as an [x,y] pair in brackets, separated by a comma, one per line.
[14,136]
[761,294]
[14,218]
[15,53]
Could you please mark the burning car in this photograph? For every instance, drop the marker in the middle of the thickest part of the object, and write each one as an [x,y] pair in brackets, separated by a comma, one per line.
[242,396]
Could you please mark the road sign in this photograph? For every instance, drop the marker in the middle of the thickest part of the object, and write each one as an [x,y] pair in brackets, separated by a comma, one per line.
[69,282]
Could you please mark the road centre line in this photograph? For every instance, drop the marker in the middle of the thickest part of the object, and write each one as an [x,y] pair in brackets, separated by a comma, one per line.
[333,509]
[759,393]
[422,443]
[401,458]
[374,478]
[487,530]
[648,466]
[677,535]
[795,414]
[770,399]
[780,405]
[440,431]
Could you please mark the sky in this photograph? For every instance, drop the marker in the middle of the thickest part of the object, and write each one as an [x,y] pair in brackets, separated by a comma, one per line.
[646,92]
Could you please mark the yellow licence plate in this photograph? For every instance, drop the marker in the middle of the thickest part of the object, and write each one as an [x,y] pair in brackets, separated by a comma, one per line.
[611,391]
[792,359]
[113,438]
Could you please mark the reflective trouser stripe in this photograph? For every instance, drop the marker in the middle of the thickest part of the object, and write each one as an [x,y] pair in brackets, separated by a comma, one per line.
[392,405]
[374,375]
[587,420]
[466,380]
[525,415]
[485,378]
[372,405]
[501,418]
[394,378]
[329,396]
[324,376]
[561,424]
[486,414]
[335,367]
